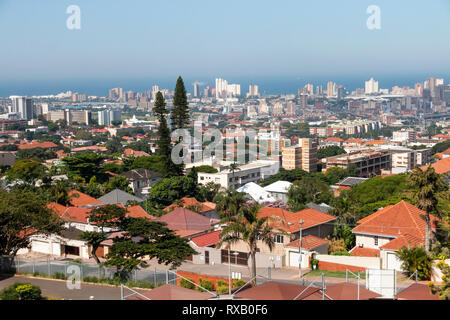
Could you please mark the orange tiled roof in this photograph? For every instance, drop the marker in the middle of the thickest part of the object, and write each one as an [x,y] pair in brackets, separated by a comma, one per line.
[404,241]
[207,239]
[441,166]
[138,212]
[43,145]
[186,202]
[364,252]
[308,242]
[291,220]
[395,220]
[82,199]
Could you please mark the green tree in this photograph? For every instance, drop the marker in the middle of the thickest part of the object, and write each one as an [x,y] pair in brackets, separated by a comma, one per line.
[114,145]
[427,185]
[229,203]
[308,189]
[142,240]
[59,193]
[110,217]
[22,215]
[329,152]
[21,291]
[208,192]
[85,165]
[26,170]
[180,111]
[168,190]
[164,142]
[246,226]
[415,259]
[117,182]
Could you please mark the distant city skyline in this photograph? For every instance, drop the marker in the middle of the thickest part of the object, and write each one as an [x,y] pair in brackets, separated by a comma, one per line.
[280,46]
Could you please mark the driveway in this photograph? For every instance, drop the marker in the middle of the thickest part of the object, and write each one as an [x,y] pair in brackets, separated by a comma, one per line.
[58,289]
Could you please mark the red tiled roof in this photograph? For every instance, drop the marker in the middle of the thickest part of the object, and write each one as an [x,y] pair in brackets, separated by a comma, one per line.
[138,212]
[308,242]
[182,219]
[310,217]
[404,241]
[186,202]
[207,239]
[136,154]
[395,220]
[272,290]
[441,166]
[346,291]
[417,291]
[364,252]
[82,199]
[93,148]
[43,145]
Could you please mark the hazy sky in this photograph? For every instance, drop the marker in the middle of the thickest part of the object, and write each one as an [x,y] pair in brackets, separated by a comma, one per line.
[130,40]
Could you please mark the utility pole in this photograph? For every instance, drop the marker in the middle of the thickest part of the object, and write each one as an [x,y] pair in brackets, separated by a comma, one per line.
[300,251]
[229,271]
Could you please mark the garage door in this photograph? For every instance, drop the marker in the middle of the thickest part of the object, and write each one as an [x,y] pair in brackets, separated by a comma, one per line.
[293,259]
[40,246]
[393,262]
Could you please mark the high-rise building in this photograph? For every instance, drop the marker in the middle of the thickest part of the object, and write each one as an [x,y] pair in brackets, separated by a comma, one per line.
[371,86]
[23,106]
[225,90]
[116,93]
[277,109]
[292,157]
[253,91]
[290,108]
[107,117]
[331,88]
[309,154]
[196,90]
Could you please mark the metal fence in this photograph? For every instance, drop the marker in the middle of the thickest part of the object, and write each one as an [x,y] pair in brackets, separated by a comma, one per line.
[52,268]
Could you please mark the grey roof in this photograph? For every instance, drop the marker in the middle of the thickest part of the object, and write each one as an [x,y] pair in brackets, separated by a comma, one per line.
[323,207]
[140,173]
[351,181]
[71,233]
[118,196]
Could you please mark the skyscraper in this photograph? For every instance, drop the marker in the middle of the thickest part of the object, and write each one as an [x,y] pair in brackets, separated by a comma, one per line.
[196,90]
[371,86]
[23,106]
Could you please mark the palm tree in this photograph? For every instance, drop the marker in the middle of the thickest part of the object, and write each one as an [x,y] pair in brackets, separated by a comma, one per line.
[427,186]
[248,227]
[229,203]
[233,168]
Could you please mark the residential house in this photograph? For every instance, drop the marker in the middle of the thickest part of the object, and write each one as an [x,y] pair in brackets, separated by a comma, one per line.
[279,190]
[187,223]
[315,223]
[389,229]
[141,180]
[206,208]
[256,193]
[118,196]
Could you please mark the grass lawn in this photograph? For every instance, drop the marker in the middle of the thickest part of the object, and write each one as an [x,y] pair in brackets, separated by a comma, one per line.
[333,274]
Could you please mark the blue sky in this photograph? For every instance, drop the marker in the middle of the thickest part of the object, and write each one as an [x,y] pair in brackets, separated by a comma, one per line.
[136,43]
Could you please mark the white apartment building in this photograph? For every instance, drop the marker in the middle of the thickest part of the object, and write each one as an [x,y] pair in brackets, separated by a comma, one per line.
[251,172]
[371,86]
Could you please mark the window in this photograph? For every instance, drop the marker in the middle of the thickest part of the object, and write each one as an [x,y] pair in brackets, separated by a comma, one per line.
[376,241]
[279,238]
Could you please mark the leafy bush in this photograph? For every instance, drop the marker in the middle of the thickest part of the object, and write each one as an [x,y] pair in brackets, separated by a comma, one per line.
[340,253]
[222,283]
[222,289]
[59,275]
[237,283]
[186,284]
[21,291]
[336,245]
[208,285]
[91,279]
[416,259]
[314,262]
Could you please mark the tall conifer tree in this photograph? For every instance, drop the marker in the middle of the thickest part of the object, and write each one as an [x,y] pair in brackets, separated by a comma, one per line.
[163,130]
[180,112]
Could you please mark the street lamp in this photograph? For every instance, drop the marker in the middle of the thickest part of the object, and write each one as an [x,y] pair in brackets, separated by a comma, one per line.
[300,251]
[229,271]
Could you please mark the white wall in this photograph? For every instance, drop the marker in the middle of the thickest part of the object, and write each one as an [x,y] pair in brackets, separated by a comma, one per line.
[363,262]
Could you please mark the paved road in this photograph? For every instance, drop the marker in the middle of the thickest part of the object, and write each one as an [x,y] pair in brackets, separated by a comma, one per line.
[58,289]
